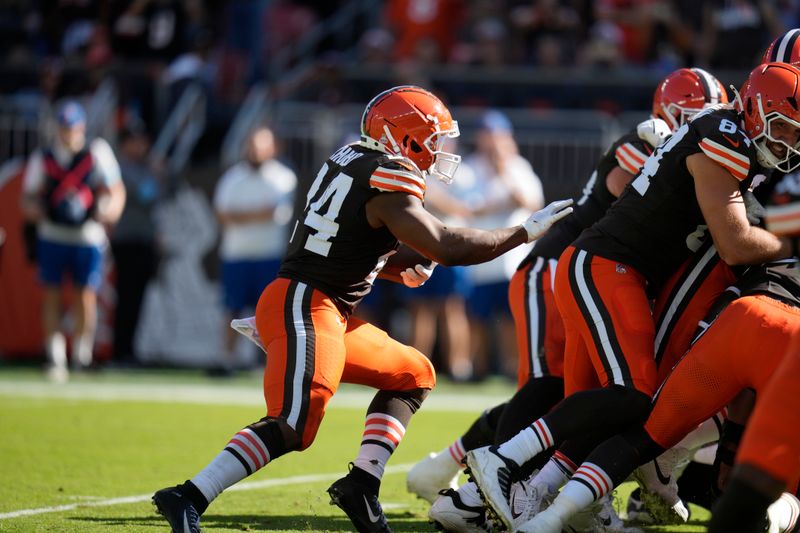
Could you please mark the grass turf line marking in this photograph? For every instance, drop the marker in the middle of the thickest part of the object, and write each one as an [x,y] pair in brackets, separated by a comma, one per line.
[250,485]
[161,392]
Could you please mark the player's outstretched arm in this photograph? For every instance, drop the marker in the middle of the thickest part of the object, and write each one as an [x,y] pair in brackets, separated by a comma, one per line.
[407,219]
[737,242]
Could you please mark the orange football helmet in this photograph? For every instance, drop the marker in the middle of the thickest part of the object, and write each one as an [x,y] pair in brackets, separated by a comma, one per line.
[684,93]
[784,49]
[771,92]
[412,123]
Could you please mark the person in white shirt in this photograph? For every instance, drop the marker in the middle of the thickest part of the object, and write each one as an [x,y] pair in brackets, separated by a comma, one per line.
[253,202]
[71,190]
[505,187]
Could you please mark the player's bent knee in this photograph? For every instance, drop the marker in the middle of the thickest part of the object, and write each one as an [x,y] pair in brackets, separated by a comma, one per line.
[637,403]
[418,374]
[645,446]
[277,435]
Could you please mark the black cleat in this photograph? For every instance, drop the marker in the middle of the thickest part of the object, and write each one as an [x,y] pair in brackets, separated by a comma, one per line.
[177,509]
[360,504]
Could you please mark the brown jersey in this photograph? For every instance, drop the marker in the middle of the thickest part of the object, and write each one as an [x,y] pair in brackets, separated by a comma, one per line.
[332,247]
[657,223]
[629,152]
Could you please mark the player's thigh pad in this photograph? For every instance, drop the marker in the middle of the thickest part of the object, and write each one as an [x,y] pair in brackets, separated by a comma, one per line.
[605,302]
[684,301]
[740,350]
[539,328]
[376,360]
[772,439]
[303,332]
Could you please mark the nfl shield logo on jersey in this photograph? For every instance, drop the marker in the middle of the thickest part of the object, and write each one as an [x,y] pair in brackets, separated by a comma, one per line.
[621,269]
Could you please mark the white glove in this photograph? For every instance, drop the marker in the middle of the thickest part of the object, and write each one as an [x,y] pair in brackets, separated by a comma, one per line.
[247,327]
[417,276]
[539,222]
[653,131]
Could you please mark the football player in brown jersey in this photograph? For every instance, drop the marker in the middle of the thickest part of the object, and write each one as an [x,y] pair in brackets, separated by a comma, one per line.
[691,183]
[540,332]
[366,199]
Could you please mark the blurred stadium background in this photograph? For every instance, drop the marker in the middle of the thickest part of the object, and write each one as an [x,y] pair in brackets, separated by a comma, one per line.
[197,75]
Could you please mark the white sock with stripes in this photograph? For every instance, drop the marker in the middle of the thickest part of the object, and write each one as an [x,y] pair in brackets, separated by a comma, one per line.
[455,452]
[572,498]
[221,473]
[588,483]
[382,434]
[784,512]
[528,443]
[554,473]
[244,454]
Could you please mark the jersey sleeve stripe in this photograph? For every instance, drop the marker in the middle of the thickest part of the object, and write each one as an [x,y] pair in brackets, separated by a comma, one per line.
[784,219]
[629,158]
[398,179]
[386,185]
[733,162]
[394,173]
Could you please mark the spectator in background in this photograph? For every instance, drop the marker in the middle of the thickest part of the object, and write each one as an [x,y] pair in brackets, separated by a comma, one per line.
[150,29]
[412,21]
[253,202]
[134,241]
[734,33]
[505,188]
[71,189]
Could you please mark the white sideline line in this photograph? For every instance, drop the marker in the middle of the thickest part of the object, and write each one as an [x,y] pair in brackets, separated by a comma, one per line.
[356,397]
[251,485]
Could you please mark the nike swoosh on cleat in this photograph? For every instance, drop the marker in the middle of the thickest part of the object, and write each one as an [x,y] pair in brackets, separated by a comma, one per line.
[661,477]
[186,527]
[372,517]
[514,514]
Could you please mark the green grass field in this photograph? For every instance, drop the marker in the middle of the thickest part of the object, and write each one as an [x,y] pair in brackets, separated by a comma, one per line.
[87,455]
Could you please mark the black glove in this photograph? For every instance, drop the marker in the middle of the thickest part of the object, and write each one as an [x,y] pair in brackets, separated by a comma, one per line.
[755,211]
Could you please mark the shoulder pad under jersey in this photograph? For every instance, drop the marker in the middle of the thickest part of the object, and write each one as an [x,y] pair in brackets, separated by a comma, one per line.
[722,140]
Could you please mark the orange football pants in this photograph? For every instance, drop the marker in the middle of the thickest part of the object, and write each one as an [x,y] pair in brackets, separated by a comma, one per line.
[771,441]
[684,301]
[538,324]
[608,325]
[741,349]
[311,348]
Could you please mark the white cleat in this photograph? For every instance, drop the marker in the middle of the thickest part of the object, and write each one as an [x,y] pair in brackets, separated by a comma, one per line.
[528,500]
[545,522]
[599,517]
[431,475]
[659,481]
[491,472]
[451,513]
